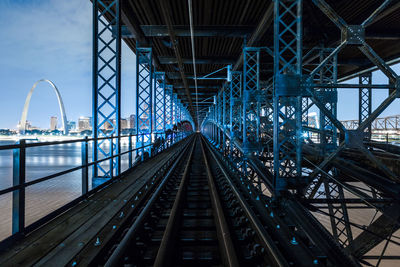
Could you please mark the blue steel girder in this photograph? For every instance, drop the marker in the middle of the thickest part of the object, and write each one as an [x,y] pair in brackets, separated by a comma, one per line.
[365,100]
[106,88]
[168,107]
[219,117]
[144,77]
[225,116]
[328,97]
[179,104]
[159,103]
[174,109]
[235,108]
[266,114]
[287,94]
[214,119]
[251,101]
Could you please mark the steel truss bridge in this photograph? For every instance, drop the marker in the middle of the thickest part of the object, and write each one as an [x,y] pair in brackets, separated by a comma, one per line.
[389,123]
[252,188]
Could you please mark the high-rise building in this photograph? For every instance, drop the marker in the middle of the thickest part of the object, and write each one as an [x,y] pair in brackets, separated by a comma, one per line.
[122,122]
[28,125]
[71,125]
[53,123]
[84,123]
[132,121]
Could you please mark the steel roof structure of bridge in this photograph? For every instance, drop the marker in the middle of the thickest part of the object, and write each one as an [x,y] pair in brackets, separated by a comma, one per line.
[223,28]
[245,74]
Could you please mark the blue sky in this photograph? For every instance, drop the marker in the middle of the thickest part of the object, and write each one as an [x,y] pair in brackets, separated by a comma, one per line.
[52,39]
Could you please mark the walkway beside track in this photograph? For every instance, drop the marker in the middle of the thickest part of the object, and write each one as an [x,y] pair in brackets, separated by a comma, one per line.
[84,225]
[184,207]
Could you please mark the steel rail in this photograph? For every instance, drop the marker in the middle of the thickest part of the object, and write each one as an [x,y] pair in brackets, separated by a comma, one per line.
[163,255]
[225,240]
[273,251]
[119,251]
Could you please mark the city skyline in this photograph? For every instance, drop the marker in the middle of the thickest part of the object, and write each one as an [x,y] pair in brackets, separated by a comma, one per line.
[53,39]
[81,124]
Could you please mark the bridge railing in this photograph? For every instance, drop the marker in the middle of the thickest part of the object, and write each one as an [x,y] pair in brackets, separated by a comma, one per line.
[20,183]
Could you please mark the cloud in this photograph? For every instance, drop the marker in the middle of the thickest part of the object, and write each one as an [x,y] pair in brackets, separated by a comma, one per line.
[51,39]
[46,33]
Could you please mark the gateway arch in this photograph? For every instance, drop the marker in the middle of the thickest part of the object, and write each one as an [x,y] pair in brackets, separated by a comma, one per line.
[22,126]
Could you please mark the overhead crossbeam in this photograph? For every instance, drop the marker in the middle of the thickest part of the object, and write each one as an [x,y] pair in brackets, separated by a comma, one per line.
[199,31]
[209,60]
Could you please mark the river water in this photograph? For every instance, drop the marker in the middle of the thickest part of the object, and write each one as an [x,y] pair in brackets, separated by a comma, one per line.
[44,197]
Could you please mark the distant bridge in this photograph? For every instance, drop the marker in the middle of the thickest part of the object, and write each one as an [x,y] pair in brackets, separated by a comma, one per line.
[390,123]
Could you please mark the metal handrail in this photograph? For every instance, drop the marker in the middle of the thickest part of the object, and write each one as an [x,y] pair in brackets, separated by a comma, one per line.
[48,143]
[19,170]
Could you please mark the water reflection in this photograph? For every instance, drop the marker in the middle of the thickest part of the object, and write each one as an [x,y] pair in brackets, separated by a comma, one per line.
[47,160]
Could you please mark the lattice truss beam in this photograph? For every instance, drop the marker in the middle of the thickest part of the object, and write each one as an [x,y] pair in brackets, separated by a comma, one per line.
[235,108]
[106,88]
[226,117]
[144,92]
[251,99]
[365,99]
[159,103]
[287,95]
[338,171]
[168,107]
[327,181]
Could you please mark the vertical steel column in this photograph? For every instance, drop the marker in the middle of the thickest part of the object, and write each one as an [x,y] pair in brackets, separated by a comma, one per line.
[159,104]
[106,88]
[168,113]
[179,118]
[173,105]
[85,162]
[168,107]
[180,111]
[235,111]
[251,105]
[174,114]
[213,116]
[219,118]
[287,93]
[304,110]
[18,196]
[339,219]
[225,116]
[328,97]
[144,78]
[365,100]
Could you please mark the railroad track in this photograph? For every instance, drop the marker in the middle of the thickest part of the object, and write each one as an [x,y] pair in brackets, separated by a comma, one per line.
[191,217]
